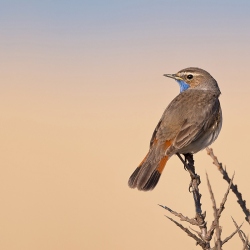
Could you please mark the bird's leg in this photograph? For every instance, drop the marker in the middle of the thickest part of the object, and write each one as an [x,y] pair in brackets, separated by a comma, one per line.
[190,159]
[183,161]
[186,162]
[189,166]
[186,167]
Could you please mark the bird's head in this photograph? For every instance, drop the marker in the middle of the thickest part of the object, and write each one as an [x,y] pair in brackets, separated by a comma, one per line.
[194,78]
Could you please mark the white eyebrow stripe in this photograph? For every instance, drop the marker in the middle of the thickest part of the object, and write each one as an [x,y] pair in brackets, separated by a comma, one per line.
[192,73]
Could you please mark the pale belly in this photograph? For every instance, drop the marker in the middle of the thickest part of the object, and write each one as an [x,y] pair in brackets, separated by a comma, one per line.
[206,139]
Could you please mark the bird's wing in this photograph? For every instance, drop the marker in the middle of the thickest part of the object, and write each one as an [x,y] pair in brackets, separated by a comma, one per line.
[153,138]
[186,117]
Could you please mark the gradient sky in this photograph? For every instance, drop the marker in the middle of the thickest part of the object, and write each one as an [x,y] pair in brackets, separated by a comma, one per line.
[81,92]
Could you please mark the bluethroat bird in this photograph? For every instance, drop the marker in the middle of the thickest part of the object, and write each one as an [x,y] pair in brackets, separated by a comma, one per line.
[190,123]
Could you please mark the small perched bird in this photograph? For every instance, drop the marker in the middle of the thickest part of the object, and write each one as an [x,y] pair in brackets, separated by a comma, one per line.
[190,123]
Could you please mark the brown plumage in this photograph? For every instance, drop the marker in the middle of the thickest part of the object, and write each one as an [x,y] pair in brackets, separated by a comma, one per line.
[190,123]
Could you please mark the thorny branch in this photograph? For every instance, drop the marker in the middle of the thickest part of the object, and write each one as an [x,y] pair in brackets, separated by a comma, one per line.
[198,240]
[242,236]
[194,186]
[234,188]
[205,236]
[217,212]
[231,235]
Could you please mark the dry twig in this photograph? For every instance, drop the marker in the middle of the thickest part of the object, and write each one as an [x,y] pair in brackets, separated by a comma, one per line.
[234,188]
[246,245]
[217,212]
[242,236]
[231,235]
[198,241]
[181,216]
[204,237]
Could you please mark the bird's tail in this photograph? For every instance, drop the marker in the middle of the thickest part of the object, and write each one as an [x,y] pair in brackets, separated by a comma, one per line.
[147,174]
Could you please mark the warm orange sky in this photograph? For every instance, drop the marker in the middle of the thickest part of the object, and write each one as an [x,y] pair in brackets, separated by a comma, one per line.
[81,93]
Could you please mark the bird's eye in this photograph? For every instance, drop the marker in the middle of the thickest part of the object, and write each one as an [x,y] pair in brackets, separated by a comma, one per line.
[190,76]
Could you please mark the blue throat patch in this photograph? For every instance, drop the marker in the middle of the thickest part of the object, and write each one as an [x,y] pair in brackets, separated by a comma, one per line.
[183,85]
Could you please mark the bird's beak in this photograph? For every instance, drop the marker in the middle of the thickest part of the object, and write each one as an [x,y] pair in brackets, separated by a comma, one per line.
[174,76]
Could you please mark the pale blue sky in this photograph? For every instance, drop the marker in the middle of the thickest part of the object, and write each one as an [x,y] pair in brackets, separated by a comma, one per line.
[137,19]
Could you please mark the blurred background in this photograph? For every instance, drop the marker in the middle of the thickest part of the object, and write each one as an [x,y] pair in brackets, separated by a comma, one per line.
[82,90]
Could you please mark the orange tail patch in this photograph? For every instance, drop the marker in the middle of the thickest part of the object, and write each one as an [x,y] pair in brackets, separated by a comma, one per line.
[146,178]
[155,176]
[162,164]
[167,144]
